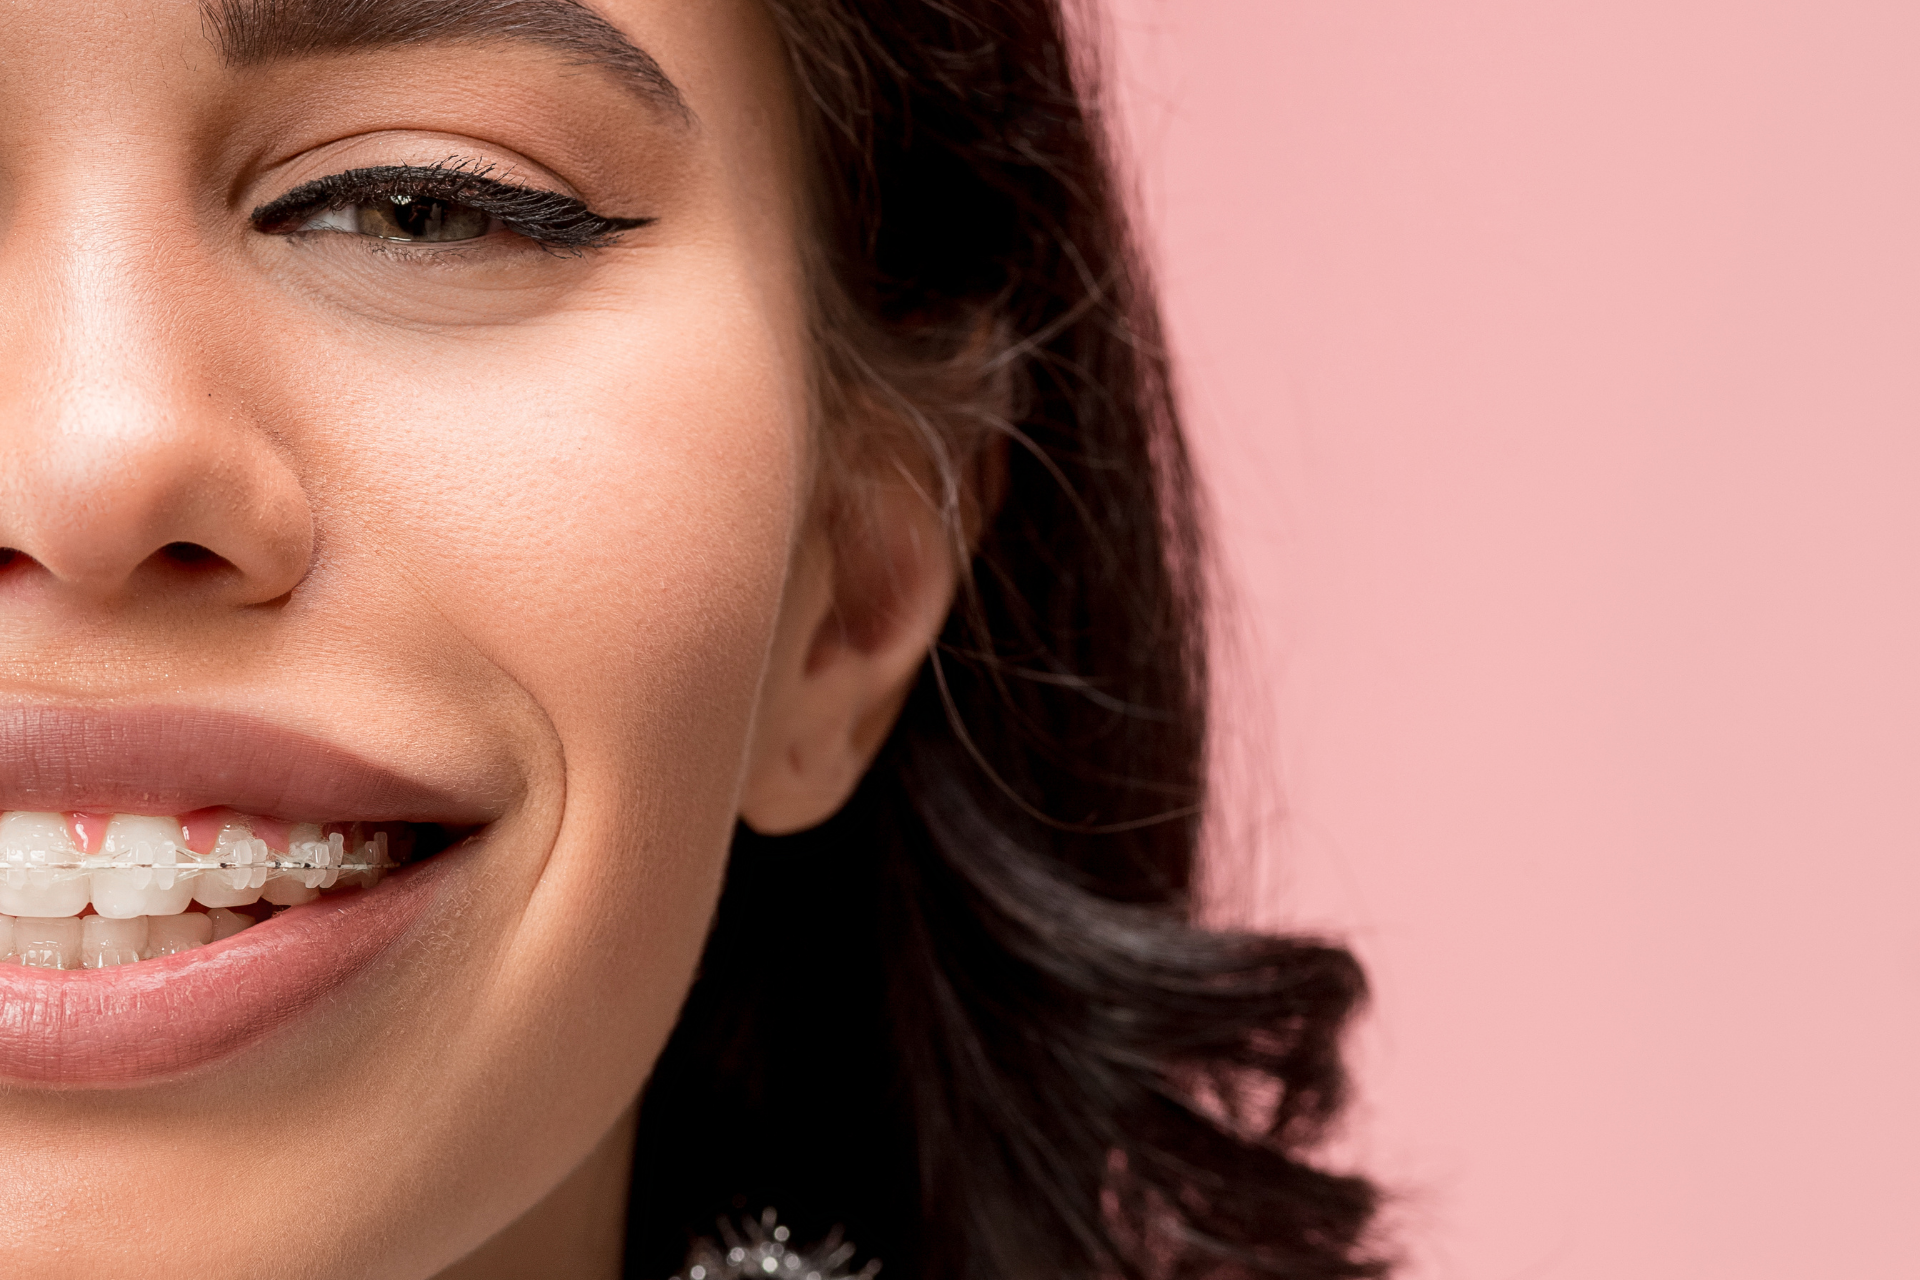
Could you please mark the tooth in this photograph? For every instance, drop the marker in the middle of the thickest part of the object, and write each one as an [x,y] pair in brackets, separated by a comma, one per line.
[169,934]
[229,887]
[373,855]
[306,843]
[105,942]
[29,841]
[227,923]
[44,942]
[6,941]
[153,888]
[291,888]
[288,890]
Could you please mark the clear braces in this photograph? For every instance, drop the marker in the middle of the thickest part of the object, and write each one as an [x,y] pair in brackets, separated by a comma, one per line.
[326,858]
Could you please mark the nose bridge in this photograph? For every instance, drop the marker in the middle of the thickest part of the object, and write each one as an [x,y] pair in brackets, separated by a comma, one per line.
[100,389]
[121,438]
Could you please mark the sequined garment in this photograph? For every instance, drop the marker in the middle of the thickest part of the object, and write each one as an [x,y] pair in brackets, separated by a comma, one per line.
[759,1251]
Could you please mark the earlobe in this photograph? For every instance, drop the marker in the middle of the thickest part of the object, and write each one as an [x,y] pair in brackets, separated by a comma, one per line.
[866,598]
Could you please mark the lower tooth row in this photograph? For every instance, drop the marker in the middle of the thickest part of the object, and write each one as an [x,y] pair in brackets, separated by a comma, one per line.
[142,870]
[100,942]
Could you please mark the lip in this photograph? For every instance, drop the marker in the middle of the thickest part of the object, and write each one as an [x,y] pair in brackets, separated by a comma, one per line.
[138,1023]
[132,1024]
[166,760]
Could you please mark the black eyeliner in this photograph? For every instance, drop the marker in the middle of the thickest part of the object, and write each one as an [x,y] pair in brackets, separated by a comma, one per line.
[548,217]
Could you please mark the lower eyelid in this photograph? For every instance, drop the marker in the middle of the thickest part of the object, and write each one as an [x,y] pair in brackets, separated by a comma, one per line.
[500,242]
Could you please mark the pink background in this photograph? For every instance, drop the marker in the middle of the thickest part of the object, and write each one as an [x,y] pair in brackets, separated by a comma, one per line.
[1554,368]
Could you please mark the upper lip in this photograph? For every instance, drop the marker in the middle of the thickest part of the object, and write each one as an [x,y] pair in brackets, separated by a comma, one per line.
[166,760]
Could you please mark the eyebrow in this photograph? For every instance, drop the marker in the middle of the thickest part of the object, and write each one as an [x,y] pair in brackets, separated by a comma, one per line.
[252,32]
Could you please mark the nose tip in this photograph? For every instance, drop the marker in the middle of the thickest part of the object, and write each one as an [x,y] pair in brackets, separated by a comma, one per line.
[159,519]
[130,472]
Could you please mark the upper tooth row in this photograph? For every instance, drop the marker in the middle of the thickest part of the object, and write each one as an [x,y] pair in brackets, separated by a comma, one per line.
[143,867]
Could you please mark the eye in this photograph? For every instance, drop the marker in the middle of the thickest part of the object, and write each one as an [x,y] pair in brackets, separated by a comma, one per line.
[447,203]
[403,217]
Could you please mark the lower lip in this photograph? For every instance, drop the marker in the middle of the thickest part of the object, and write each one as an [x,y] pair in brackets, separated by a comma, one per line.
[137,1023]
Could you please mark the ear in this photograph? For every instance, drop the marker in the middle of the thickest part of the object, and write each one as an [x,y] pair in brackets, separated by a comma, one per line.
[866,597]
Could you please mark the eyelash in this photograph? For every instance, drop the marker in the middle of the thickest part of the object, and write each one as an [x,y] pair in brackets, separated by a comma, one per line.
[558,222]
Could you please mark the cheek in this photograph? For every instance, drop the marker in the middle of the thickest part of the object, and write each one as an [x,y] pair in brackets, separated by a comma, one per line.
[598,504]
[587,519]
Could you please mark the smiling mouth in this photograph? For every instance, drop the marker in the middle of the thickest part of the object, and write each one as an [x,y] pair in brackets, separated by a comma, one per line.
[153,863]
[96,891]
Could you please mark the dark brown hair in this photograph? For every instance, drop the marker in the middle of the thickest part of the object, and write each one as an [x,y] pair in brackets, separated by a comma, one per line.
[971,1018]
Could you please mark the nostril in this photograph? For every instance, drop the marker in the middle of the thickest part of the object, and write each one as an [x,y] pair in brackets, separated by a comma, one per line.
[189,562]
[13,560]
[187,554]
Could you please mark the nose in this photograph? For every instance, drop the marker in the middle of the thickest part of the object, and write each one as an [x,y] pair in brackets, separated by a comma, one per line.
[130,468]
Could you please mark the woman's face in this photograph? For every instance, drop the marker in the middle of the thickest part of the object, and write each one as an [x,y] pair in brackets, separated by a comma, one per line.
[375,509]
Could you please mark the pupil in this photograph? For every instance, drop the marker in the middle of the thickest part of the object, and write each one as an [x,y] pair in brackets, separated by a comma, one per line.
[421,219]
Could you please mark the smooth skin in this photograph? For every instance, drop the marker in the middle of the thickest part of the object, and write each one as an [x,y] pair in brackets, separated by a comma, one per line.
[547,527]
